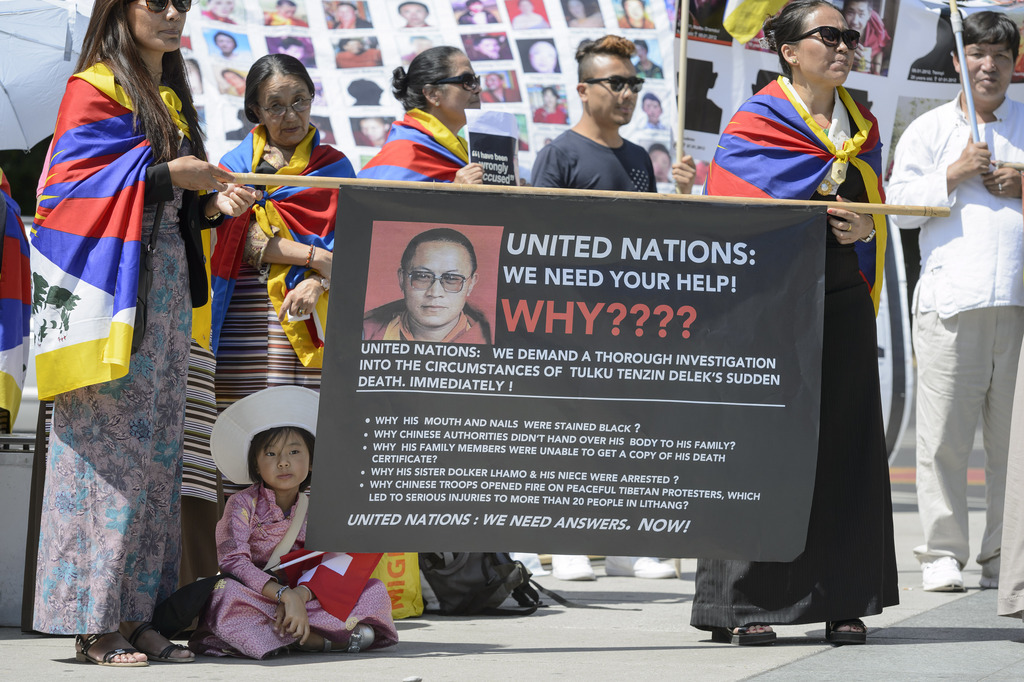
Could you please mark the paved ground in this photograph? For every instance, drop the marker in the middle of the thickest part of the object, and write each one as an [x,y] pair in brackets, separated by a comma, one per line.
[643,631]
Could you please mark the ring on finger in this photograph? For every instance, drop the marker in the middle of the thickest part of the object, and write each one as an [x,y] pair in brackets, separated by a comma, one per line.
[1000,187]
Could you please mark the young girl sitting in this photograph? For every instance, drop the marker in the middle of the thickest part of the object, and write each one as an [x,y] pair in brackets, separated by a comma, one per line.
[268,438]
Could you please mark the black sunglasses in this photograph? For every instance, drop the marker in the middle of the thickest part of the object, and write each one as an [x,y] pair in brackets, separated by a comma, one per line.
[616,83]
[161,5]
[468,81]
[830,35]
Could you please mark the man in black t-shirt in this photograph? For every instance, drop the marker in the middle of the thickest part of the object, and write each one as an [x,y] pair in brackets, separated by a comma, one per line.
[592,155]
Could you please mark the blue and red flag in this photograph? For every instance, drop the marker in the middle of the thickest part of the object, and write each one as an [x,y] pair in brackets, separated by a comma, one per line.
[15,303]
[419,148]
[302,214]
[85,243]
[772,148]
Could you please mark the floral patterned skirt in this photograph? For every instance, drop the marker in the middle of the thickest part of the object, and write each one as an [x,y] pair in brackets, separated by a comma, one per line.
[110,531]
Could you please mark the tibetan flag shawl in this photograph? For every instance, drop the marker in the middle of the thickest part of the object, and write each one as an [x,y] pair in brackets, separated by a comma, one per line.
[15,302]
[302,214]
[773,148]
[419,148]
[86,236]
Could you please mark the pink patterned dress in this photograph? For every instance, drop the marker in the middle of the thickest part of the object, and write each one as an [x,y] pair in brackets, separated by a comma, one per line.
[239,620]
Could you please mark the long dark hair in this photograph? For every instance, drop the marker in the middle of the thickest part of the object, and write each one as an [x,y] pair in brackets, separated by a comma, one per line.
[109,40]
[428,67]
[785,26]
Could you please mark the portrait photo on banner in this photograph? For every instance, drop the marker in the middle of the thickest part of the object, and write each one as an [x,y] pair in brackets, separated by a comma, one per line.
[388,286]
[498,87]
[284,13]
[299,47]
[224,11]
[358,52]
[411,45]
[475,12]
[345,15]
[487,47]
[229,46]
[412,14]
[582,14]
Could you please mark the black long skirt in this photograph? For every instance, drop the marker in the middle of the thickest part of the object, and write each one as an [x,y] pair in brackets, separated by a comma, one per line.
[848,566]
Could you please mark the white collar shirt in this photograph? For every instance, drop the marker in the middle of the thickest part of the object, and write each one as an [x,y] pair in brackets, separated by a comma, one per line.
[972,259]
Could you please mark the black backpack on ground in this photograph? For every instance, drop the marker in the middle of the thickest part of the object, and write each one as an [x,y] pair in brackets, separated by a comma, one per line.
[477,583]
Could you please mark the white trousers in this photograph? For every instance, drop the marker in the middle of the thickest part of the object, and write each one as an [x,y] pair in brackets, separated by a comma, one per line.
[966,369]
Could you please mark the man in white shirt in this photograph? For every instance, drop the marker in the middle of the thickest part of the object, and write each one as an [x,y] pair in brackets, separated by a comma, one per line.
[969,303]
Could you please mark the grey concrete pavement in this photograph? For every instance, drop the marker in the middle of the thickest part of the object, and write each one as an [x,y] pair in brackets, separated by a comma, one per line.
[643,631]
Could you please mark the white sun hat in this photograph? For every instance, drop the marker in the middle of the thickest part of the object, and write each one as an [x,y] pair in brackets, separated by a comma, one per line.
[253,414]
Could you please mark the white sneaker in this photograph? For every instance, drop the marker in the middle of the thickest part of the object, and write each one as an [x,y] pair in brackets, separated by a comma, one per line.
[942,575]
[571,567]
[639,567]
[530,560]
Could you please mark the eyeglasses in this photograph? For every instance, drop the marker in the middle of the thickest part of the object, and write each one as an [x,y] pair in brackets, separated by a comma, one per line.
[830,35]
[161,5]
[421,280]
[468,81]
[616,83]
[298,106]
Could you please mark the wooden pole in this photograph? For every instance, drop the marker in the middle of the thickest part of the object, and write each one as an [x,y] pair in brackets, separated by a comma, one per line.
[334,183]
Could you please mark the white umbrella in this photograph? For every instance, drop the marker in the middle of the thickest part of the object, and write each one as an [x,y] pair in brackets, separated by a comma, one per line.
[40,42]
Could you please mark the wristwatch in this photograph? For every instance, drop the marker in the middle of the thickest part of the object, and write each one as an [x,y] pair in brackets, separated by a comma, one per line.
[869,237]
[325,283]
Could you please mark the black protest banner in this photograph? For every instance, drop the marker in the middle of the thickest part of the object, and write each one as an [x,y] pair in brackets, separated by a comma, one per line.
[629,376]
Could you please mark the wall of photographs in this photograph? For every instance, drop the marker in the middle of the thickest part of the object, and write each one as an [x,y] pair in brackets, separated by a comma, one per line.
[903,69]
[523,50]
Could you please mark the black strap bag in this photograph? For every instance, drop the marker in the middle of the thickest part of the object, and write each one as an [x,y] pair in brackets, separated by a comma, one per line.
[477,583]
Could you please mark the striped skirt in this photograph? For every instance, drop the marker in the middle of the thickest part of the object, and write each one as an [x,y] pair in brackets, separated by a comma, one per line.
[254,351]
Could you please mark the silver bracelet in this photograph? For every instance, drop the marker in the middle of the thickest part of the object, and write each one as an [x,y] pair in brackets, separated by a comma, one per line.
[309,591]
[280,591]
[869,237]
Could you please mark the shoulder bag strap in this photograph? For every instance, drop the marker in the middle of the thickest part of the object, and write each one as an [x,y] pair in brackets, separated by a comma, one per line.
[293,532]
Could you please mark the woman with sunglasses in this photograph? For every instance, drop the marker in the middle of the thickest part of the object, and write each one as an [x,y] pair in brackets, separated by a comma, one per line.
[425,146]
[848,568]
[272,264]
[121,200]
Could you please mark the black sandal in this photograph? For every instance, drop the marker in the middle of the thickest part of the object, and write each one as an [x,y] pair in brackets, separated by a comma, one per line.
[165,655]
[88,641]
[846,636]
[742,636]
